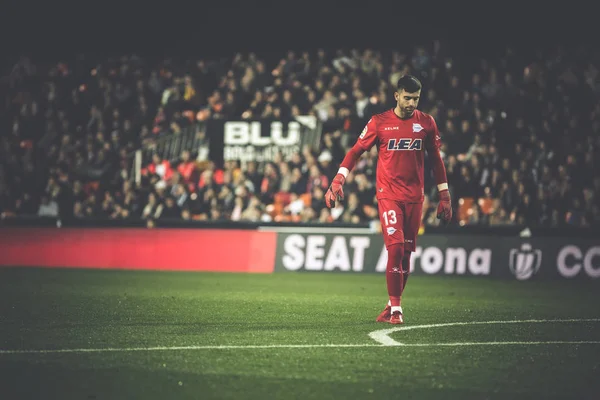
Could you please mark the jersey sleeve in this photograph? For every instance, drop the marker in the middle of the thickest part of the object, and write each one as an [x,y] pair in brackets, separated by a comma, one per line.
[368,136]
[433,140]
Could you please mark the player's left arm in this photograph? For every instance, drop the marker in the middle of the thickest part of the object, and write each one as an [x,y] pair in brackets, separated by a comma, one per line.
[433,142]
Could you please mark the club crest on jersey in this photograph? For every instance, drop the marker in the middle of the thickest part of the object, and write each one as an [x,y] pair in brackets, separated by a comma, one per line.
[405,144]
[417,128]
[364,131]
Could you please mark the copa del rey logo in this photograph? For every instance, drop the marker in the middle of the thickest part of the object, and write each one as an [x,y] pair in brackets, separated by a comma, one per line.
[525,262]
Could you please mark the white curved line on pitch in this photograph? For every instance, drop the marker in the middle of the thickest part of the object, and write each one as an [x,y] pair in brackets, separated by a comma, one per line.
[381,336]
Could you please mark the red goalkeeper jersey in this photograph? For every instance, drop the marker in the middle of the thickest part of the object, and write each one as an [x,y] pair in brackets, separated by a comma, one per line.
[401,144]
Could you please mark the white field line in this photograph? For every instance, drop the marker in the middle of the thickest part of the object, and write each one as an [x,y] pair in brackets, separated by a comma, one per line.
[380,336]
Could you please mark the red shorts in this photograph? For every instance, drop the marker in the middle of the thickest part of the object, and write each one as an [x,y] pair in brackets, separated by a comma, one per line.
[400,222]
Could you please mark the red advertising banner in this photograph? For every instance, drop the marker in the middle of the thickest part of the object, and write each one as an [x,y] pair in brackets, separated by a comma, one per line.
[139,248]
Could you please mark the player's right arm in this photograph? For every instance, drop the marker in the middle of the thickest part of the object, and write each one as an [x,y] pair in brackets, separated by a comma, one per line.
[365,141]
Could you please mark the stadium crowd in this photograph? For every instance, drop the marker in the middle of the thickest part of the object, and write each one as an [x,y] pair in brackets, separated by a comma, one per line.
[521,135]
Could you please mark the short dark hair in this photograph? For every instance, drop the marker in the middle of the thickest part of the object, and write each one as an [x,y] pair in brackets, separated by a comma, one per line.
[409,83]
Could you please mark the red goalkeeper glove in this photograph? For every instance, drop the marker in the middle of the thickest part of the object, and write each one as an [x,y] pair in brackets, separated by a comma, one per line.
[335,192]
[444,210]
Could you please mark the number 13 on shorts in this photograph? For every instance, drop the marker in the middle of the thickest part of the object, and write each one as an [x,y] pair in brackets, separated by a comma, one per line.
[390,218]
[400,222]
[392,221]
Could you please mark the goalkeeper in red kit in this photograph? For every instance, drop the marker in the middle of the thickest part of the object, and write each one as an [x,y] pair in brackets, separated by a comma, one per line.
[402,134]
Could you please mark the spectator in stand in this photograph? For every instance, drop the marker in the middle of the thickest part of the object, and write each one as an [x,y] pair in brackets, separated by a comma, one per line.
[168,210]
[269,184]
[316,179]
[159,167]
[186,167]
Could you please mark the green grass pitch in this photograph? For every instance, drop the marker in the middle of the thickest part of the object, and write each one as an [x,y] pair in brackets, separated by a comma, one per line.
[179,335]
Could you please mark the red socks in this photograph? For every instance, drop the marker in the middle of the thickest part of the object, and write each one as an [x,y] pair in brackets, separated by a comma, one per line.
[393,273]
[406,268]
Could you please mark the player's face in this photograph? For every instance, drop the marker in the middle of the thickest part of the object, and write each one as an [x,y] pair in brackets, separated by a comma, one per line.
[407,102]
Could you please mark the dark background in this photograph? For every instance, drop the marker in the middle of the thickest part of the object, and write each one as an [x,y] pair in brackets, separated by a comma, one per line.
[57,31]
